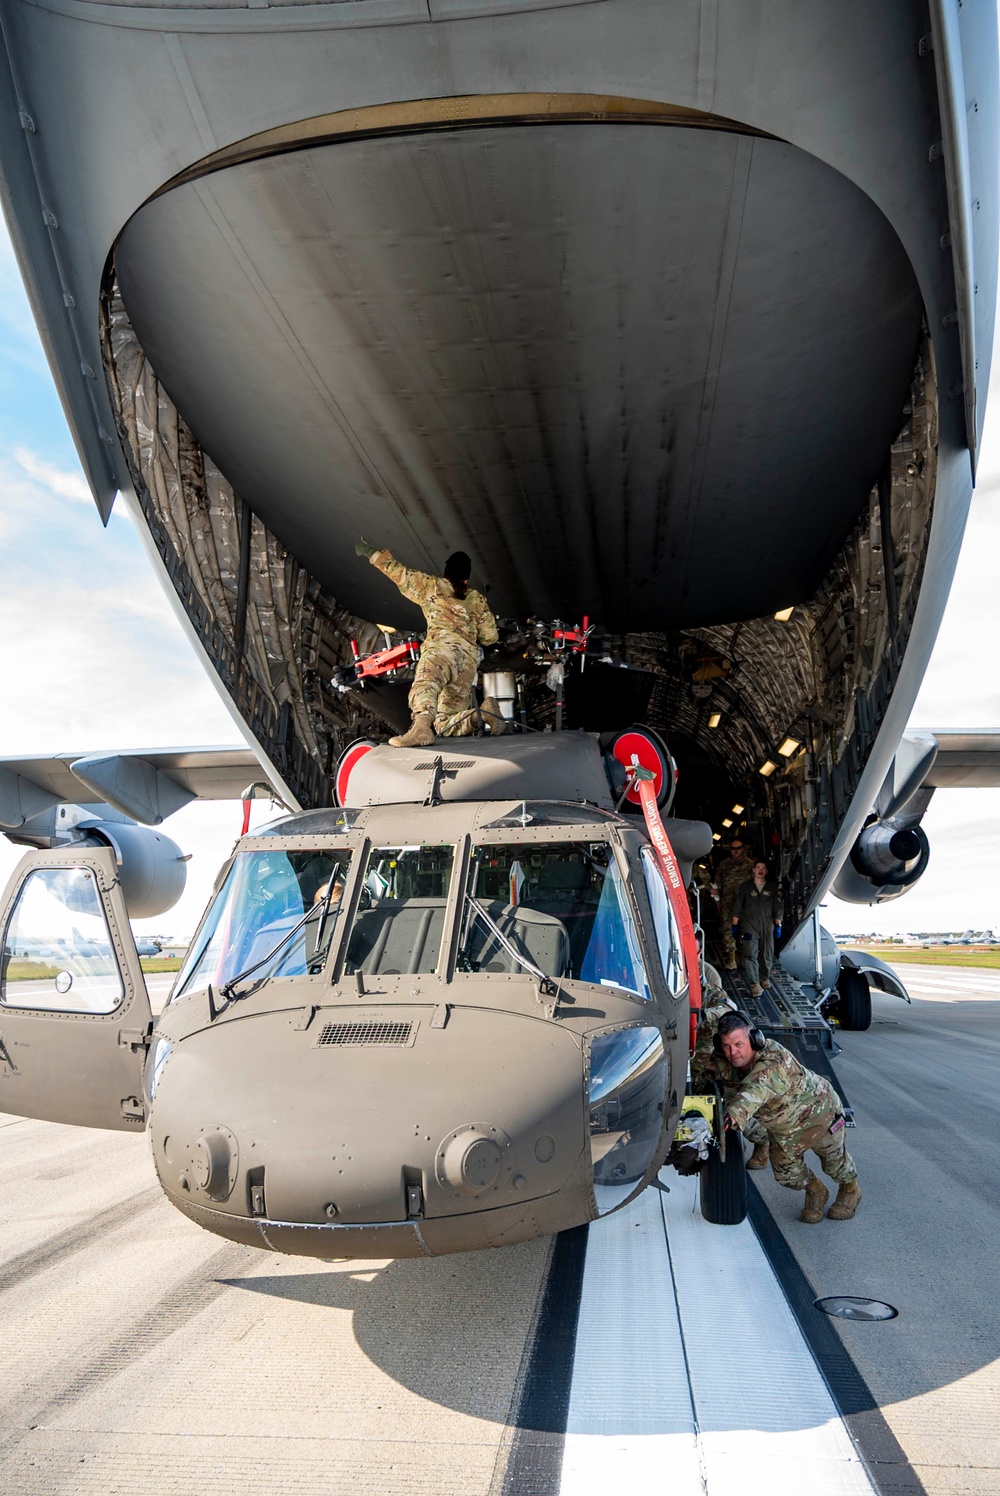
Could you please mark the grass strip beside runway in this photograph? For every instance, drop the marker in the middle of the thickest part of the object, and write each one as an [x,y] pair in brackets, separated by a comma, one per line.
[934,955]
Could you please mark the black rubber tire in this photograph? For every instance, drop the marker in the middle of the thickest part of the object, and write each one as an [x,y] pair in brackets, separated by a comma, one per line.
[854,1000]
[722,1187]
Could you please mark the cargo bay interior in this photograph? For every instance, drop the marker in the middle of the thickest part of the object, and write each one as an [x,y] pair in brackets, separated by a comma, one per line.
[651,367]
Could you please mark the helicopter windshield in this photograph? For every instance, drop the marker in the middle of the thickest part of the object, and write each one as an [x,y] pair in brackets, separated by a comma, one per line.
[555,908]
[400,918]
[251,922]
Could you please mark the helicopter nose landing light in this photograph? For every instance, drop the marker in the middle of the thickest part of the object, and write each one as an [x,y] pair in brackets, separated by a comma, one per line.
[214,1162]
[473,1159]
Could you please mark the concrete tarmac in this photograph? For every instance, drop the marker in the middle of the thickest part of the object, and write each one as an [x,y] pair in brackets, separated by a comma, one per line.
[147,1358]
[923,1082]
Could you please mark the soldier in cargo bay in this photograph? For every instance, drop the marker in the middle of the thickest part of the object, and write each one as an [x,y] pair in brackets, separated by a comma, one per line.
[459,621]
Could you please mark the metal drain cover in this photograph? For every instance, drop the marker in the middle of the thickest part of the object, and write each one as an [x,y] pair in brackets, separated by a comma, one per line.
[844,1306]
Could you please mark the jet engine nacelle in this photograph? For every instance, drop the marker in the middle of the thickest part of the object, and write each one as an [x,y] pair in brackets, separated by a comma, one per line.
[884,862]
[152,868]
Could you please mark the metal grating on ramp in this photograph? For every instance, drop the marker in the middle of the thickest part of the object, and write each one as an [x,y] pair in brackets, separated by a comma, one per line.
[691,1373]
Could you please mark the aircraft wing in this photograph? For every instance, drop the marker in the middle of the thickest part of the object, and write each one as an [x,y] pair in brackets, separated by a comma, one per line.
[965,760]
[146,785]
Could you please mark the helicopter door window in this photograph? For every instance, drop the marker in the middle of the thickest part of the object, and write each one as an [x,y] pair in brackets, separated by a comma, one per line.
[57,950]
[253,920]
[400,918]
[668,938]
[559,908]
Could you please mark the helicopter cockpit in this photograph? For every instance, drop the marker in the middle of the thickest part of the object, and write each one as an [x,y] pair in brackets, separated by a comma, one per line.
[516,903]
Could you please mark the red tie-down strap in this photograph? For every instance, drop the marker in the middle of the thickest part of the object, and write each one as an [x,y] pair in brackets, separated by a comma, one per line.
[677,895]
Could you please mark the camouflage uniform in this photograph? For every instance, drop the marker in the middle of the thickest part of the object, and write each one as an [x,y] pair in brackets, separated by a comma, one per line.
[796,1107]
[731,872]
[442,686]
[705,1062]
[757,909]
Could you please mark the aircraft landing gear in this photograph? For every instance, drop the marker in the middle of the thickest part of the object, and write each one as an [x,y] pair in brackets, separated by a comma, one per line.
[853,1005]
[722,1184]
[703,1146]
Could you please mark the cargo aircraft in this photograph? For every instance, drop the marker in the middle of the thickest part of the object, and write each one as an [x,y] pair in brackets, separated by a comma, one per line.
[677,317]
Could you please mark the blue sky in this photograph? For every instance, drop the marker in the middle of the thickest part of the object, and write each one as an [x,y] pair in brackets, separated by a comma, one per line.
[92,657]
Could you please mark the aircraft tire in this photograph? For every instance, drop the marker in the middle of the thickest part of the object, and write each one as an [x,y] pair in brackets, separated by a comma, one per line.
[722,1187]
[854,1000]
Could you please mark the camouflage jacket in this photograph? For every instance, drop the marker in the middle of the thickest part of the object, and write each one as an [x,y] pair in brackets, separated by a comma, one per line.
[778,1091]
[731,872]
[450,619]
[714,1003]
[757,908]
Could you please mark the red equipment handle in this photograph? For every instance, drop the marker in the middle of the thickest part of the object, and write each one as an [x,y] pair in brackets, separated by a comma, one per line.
[396,657]
[677,894]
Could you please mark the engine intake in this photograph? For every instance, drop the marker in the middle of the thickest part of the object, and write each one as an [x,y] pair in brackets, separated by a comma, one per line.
[884,862]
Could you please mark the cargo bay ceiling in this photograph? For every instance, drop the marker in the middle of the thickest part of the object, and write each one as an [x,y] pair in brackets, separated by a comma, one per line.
[646,373]
[642,364]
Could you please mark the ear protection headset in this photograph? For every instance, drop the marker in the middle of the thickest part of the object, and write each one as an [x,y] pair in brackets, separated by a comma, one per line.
[756,1036]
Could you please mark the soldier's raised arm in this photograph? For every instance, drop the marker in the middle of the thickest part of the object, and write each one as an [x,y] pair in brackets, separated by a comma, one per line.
[415,585]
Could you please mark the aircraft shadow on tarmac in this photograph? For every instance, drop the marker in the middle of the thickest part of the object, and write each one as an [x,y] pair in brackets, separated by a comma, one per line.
[451,1329]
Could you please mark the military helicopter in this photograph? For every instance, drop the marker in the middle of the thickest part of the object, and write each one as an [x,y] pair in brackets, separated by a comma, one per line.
[452,1012]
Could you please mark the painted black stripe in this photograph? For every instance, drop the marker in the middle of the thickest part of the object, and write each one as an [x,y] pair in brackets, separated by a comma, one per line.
[887,1463]
[534,1467]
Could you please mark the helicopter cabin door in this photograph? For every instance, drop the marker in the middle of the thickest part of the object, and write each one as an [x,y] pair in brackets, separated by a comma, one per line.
[75,1018]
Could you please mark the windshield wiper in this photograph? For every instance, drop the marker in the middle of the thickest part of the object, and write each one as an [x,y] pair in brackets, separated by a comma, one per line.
[501,940]
[227,987]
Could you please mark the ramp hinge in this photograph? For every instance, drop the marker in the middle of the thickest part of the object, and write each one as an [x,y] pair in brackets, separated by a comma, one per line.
[133,1108]
[925,45]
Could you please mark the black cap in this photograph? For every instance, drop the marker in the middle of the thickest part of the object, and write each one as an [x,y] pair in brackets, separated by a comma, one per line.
[458,567]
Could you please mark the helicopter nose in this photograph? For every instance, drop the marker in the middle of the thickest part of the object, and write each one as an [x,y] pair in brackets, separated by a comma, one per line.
[461,1131]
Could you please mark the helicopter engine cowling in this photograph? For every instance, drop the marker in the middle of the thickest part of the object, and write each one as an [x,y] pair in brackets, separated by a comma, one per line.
[152,868]
[885,861]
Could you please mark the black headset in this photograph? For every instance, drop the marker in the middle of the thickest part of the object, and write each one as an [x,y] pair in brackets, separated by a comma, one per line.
[757,1036]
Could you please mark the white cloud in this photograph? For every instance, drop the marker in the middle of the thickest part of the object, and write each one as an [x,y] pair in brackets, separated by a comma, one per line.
[64,484]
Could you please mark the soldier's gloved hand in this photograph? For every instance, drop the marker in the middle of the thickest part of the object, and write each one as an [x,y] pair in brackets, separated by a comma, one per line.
[362,548]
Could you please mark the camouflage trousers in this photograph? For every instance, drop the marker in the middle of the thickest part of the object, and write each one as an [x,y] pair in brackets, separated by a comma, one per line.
[788,1150]
[442,688]
[756,953]
[726,930]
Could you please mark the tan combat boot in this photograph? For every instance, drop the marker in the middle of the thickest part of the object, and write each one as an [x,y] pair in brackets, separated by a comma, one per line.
[846,1203]
[420,735]
[760,1156]
[755,989]
[731,965]
[493,718]
[817,1195]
